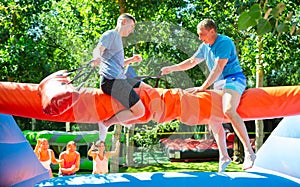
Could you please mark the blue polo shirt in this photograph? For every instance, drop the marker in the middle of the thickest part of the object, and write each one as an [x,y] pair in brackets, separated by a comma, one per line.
[223,48]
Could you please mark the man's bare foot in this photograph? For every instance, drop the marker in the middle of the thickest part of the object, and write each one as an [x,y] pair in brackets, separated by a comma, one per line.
[248,161]
[223,164]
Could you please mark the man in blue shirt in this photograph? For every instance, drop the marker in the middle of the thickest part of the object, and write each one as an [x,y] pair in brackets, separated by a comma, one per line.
[220,55]
[109,53]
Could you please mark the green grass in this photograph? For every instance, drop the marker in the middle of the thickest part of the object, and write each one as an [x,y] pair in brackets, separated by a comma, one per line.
[211,166]
[159,162]
[165,165]
[182,167]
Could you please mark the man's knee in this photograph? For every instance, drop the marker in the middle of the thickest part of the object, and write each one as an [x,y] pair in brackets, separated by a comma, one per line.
[138,109]
[230,113]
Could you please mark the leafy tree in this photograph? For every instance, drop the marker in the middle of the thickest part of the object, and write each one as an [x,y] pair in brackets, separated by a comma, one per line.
[19,32]
[148,135]
[41,37]
[263,23]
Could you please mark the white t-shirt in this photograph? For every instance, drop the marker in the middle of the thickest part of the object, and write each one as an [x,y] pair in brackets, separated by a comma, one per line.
[100,166]
[47,163]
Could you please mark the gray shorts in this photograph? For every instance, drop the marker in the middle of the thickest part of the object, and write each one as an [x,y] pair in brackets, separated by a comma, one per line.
[121,90]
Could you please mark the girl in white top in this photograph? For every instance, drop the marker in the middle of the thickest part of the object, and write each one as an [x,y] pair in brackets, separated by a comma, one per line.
[101,157]
[45,155]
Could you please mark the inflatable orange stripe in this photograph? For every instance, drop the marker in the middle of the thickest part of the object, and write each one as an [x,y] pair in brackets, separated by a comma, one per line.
[21,99]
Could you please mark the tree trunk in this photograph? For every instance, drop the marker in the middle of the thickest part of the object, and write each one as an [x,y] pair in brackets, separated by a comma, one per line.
[10,79]
[208,133]
[68,127]
[122,6]
[259,134]
[33,124]
[114,161]
[130,147]
[238,150]
[259,125]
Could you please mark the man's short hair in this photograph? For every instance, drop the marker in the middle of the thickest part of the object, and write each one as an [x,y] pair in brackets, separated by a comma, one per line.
[71,143]
[207,24]
[126,16]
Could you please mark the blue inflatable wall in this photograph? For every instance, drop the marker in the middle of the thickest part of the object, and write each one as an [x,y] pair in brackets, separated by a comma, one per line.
[18,164]
[277,165]
[280,153]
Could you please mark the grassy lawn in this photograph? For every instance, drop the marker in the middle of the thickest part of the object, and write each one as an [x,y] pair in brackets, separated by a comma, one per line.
[159,162]
[211,166]
[165,165]
[182,167]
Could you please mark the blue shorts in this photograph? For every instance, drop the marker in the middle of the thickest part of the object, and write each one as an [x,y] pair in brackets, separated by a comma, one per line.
[236,82]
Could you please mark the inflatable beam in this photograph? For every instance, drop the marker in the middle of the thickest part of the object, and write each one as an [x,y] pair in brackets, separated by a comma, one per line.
[162,105]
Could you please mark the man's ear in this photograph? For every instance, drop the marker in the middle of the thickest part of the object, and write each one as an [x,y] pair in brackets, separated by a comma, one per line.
[213,31]
[124,21]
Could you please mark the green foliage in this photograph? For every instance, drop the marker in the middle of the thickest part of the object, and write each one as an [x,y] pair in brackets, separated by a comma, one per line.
[275,23]
[245,21]
[148,135]
[162,40]
[46,36]
[263,26]
[253,18]
[26,124]
[19,52]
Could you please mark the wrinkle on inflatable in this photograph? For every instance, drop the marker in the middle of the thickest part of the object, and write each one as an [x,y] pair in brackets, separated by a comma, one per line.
[162,105]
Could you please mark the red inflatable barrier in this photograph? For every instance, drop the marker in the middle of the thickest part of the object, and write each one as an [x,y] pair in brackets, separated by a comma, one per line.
[21,99]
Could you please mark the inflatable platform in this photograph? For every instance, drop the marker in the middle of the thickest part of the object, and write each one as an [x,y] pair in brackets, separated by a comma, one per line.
[274,167]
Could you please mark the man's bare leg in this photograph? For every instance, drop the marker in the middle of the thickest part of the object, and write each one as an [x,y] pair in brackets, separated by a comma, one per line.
[219,134]
[231,100]
[135,112]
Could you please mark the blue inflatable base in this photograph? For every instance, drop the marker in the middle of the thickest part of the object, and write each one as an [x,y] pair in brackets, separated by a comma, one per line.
[174,179]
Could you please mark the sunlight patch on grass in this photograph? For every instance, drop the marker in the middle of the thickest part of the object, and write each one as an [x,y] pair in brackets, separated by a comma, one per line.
[183,167]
